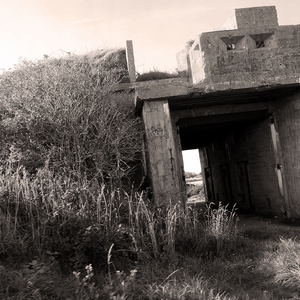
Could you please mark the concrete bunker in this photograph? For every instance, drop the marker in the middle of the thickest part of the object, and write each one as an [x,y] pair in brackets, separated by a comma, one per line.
[240,107]
[238,158]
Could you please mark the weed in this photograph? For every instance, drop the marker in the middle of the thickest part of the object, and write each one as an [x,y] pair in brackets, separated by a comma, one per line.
[86,284]
[220,229]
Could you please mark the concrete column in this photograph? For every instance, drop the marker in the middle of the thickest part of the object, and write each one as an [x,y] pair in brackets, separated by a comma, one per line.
[162,153]
[130,61]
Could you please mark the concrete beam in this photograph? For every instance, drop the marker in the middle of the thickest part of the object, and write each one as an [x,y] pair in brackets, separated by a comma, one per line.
[219,110]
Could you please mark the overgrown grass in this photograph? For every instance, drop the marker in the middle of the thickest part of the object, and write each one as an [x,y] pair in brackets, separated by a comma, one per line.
[286,263]
[56,224]
[221,228]
[72,225]
[156,75]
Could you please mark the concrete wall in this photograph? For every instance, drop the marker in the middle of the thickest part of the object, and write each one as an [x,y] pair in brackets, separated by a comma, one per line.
[212,61]
[256,17]
[250,17]
[287,121]
[256,50]
[260,158]
[250,146]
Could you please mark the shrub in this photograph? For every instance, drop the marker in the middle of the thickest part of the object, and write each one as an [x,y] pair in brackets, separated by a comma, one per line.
[69,142]
[65,111]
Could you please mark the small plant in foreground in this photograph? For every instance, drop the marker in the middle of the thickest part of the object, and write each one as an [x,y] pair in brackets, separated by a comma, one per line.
[86,284]
[119,284]
[220,228]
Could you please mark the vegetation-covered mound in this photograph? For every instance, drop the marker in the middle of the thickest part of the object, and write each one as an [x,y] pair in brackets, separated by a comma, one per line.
[68,144]
[64,112]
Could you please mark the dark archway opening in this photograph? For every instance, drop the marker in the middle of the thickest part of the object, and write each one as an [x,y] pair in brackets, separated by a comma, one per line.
[236,157]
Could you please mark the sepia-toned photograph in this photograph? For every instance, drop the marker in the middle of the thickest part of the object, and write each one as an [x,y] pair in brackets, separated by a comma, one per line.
[149,150]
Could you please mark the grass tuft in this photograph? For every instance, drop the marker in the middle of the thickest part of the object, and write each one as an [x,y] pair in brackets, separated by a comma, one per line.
[220,229]
[286,263]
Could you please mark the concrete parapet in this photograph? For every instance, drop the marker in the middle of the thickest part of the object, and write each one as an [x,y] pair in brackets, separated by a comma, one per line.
[253,17]
[255,49]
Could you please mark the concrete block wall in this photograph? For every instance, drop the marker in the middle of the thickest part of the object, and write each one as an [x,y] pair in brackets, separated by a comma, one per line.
[250,17]
[259,51]
[256,17]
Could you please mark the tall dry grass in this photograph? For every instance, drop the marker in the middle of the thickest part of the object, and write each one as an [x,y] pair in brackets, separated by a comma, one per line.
[70,144]
[286,263]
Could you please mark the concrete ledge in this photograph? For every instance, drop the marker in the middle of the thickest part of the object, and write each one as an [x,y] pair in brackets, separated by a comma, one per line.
[181,91]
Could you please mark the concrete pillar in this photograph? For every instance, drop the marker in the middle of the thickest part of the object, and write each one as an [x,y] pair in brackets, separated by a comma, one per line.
[130,61]
[162,153]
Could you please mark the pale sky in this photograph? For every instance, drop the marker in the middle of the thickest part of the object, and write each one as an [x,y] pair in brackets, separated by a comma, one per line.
[159,28]
[191,161]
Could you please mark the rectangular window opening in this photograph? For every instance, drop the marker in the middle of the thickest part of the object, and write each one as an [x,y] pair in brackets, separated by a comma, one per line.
[260,44]
[231,46]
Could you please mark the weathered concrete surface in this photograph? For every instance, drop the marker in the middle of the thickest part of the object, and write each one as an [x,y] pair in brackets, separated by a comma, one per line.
[256,49]
[130,61]
[251,145]
[180,92]
[242,110]
[287,121]
[164,167]
[251,17]
[278,57]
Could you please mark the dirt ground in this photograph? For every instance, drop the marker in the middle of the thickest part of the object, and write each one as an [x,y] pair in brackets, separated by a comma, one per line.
[252,221]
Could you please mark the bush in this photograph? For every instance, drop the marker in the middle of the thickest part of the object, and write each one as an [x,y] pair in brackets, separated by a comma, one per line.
[65,111]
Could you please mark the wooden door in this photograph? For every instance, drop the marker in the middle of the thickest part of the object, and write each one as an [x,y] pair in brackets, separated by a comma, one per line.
[244,195]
